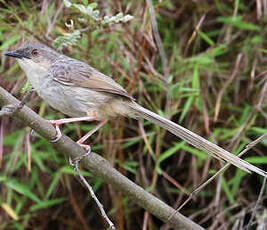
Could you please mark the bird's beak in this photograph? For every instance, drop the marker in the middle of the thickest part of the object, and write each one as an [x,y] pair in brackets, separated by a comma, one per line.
[16,54]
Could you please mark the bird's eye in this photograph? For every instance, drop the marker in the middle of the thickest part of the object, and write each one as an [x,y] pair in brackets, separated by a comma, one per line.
[35,52]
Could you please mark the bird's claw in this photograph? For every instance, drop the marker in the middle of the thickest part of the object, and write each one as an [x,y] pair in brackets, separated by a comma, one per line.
[56,139]
[58,135]
[32,132]
[76,160]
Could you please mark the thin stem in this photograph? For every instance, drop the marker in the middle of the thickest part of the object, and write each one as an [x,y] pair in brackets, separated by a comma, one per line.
[75,163]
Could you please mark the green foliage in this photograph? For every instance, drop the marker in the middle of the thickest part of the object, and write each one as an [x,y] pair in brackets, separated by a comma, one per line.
[238,23]
[165,155]
[67,39]
[22,189]
[90,10]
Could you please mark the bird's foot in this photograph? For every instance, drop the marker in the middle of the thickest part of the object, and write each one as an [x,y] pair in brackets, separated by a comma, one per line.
[74,162]
[59,134]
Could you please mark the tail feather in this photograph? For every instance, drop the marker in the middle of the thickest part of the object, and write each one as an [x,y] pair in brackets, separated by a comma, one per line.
[196,140]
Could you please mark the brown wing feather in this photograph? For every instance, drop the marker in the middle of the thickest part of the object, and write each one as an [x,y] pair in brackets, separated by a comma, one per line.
[76,73]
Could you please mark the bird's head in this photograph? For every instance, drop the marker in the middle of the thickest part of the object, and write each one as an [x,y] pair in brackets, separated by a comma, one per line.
[35,54]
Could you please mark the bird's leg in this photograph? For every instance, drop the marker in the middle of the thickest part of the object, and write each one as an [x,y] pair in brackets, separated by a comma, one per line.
[86,147]
[91,132]
[56,124]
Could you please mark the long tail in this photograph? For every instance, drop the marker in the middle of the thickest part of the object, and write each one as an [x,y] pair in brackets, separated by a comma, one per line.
[196,140]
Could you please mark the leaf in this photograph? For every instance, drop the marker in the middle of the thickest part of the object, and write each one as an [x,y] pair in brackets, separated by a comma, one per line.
[237,22]
[67,39]
[168,154]
[245,114]
[67,3]
[93,5]
[9,42]
[71,171]
[47,203]
[206,38]
[91,11]
[227,191]
[22,189]
[130,166]
[236,181]
[129,169]
[127,18]
[257,159]
[186,108]
[53,184]
[202,155]
[259,130]
[116,19]
[10,211]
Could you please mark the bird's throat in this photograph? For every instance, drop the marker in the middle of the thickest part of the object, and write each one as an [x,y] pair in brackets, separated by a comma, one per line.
[34,72]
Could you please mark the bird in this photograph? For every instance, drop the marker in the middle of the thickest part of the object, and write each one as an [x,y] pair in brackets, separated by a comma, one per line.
[83,93]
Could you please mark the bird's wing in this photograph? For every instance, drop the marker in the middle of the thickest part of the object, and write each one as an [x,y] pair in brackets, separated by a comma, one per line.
[75,73]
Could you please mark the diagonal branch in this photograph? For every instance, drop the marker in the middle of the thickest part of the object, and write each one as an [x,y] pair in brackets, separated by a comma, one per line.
[98,166]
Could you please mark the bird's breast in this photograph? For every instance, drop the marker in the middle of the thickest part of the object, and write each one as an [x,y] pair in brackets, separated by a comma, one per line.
[75,101]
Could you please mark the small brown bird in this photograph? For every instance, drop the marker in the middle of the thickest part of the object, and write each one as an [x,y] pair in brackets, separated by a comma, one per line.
[83,93]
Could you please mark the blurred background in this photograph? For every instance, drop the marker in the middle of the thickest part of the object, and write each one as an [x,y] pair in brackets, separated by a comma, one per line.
[199,63]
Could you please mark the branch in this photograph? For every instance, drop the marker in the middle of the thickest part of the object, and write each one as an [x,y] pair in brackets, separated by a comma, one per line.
[98,166]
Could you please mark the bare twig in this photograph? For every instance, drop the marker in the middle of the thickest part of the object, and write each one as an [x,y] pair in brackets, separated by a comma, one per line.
[257,203]
[194,34]
[145,222]
[259,9]
[28,149]
[166,68]
[227,83]
[158,39]
[75,163]
[1,140]
[143,133]
[54,20]
[174,182]
[262,98]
